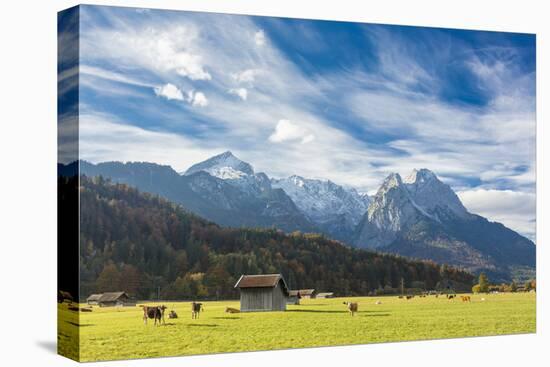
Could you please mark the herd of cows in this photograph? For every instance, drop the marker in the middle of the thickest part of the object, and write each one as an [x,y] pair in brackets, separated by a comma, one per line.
[156,313]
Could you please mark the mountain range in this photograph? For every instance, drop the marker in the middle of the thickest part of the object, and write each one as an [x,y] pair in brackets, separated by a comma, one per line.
[418,216]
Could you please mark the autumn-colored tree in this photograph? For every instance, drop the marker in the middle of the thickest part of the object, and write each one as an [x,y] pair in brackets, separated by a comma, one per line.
[483,283]
[109,279]
[130,280]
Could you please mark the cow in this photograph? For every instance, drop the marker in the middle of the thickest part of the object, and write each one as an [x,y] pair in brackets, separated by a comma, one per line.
[172,315]
[232,310]
[451,296]
[63,296]
[154,312]
[353,307]
[409,296]
[465,298]
[196,308]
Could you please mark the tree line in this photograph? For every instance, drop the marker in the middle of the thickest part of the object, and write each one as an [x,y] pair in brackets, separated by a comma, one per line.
[152,248]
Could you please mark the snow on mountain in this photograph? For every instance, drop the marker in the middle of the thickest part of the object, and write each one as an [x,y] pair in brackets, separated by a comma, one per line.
[224,166]
[324,201]
[234,171]
[399,203]
[435,198]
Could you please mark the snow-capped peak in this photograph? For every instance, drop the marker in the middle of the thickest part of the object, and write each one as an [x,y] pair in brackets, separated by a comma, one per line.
[323,200]
[432,195]
[224,166]
[420,176]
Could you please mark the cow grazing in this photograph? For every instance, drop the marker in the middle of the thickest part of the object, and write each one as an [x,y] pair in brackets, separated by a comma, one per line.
[353,307]
[451,296]
[465,298]
[409,297]
[232,310]
[196,308]
[154,312]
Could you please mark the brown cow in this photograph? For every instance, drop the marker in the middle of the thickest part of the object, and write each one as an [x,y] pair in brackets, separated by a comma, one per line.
[154,312]
[232,310]
[353,307]
[465,298]
[196,308]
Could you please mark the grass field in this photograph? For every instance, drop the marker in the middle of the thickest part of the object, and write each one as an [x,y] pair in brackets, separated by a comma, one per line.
[119,333]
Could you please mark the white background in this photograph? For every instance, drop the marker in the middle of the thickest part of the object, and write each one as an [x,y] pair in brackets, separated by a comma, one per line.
[28,182]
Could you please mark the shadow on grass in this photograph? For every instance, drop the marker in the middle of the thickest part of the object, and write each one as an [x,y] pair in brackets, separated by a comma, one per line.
[313,304]
[78,325]
[338,311]
[227,318]
[318,311]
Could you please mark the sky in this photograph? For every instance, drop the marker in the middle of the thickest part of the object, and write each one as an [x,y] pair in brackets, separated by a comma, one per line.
[348,102]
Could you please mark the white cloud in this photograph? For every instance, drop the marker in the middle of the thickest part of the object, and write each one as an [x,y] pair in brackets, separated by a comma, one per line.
[421,130]
[240,92]
[169,91]
[289,131]
[514,209]
[197,99]
[162,50]
[259,38]
[104,138]
[246,76]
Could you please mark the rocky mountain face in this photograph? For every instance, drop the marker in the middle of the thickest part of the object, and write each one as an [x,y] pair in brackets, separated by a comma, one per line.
[241,198]
[418,216]
[334,209]
[422,217]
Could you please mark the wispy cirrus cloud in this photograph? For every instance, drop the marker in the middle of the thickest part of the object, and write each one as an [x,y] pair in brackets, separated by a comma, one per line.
[397,99]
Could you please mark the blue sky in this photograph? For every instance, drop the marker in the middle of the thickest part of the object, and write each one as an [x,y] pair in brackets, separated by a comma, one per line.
[342,101]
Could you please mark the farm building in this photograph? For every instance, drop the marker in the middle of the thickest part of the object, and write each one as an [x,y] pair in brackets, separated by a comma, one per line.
[325,295]
[293,298]
[307,293]
[262,292]
[295,295]
[115,299]
[93,299]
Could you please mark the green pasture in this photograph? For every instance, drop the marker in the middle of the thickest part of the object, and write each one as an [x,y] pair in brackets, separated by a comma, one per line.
[119,333]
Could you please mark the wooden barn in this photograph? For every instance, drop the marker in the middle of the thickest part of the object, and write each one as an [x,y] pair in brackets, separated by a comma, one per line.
[93,299]
[109,299]
[295,295]
[267,292]
[307,293]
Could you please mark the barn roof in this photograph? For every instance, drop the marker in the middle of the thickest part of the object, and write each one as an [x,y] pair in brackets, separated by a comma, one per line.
[303,292]
[94,297]
[112,296]
[261,281]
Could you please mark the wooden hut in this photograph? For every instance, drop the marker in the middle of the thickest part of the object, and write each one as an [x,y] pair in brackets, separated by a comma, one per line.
[295,295]
[307,293]
[93,299]
[325,295]
[267,292]
[115,299]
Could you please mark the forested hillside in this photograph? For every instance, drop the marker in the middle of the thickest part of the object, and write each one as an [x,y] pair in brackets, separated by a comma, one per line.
[150,247]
